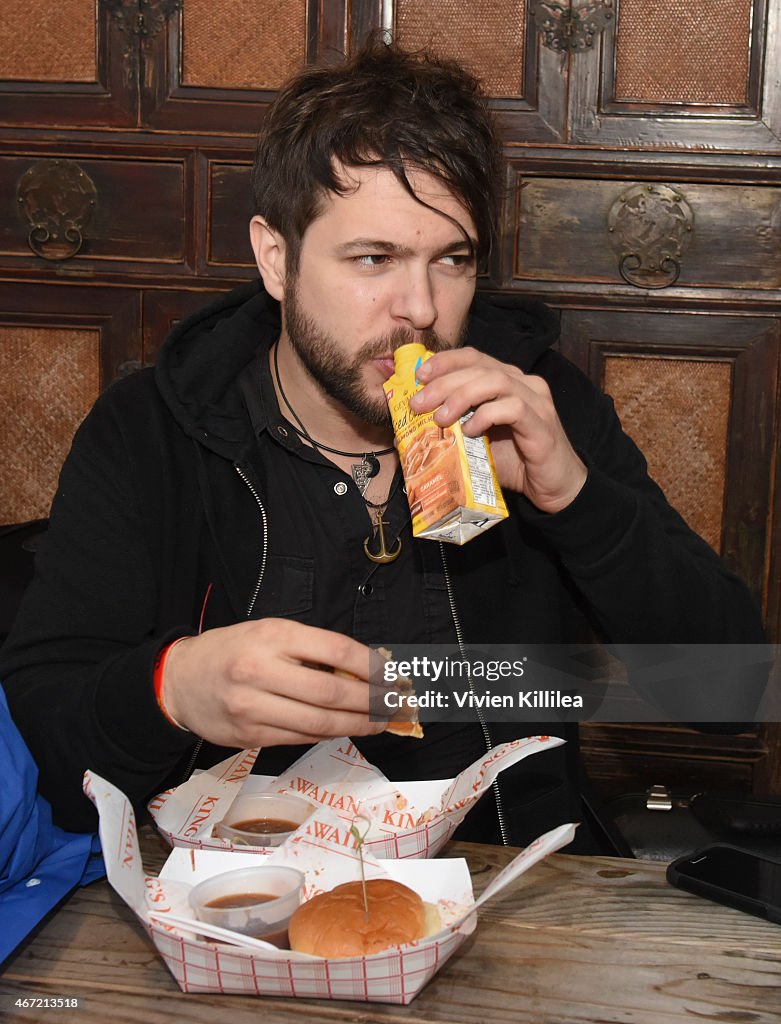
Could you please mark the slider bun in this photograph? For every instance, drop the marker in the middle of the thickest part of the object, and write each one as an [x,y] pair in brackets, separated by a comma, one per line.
[334,923]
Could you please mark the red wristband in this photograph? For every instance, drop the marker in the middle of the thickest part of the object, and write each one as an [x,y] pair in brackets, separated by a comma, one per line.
[157,680]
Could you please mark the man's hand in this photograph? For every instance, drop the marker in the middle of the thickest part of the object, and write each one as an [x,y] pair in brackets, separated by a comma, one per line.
[532,453]
[253,684]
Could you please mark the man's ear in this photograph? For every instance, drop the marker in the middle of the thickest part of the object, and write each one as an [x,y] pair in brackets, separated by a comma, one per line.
[269,248]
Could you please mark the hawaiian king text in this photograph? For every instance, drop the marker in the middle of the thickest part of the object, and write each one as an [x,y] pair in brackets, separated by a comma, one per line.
[326,797]
[202,813]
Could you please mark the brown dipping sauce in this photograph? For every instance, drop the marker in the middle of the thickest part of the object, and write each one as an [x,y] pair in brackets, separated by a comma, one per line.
[248,899]
[265,826]
[240,899]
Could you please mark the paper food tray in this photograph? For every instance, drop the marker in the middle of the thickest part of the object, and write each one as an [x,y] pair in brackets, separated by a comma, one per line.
[408,819]
[395,975]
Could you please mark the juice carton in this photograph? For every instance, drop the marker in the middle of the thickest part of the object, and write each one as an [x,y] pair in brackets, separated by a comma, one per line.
[451,481]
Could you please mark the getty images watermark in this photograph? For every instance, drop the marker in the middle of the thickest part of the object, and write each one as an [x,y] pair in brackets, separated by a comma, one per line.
[477,670]
[689,683]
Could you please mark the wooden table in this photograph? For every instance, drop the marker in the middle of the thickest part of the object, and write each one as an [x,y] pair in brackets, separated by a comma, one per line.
[578,939]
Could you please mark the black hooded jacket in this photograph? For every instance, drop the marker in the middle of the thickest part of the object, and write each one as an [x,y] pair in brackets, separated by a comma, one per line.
[155,501]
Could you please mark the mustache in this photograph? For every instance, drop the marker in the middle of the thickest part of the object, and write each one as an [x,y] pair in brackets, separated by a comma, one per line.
[388,344]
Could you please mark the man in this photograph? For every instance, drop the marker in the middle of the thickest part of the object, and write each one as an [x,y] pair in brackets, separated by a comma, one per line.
[205,568]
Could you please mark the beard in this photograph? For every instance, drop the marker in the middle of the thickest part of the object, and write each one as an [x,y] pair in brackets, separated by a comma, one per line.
[340,376]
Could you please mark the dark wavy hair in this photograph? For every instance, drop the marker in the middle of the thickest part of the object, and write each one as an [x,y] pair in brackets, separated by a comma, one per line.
[382,107]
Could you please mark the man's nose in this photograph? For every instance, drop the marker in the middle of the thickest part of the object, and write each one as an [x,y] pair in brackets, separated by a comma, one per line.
[413,302]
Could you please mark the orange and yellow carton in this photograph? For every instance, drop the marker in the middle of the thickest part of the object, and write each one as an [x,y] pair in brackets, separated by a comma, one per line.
[452,488]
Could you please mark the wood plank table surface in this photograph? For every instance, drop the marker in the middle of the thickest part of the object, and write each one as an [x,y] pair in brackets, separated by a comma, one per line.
[577,940]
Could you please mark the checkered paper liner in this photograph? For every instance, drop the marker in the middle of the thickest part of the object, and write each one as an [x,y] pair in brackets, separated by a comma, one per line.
[395,975]
[408,819]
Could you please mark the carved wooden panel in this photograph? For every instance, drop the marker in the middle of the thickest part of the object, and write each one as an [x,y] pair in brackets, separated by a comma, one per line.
[66,64]
[498,42]
[681,75]
[487,37]
[238,45]
[212,67]
[49,379]
[586,231]
[59,347]
[699,393]
[622,759]
[681,52]
[677,410]
[45,42]
[115,313]
[230,206]
[137,213]
[735,482]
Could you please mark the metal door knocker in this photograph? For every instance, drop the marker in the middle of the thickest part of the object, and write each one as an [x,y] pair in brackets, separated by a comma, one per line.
[56,199]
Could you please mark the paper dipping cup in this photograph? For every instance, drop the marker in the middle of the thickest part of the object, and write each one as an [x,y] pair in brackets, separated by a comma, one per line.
[262,918]
[258,807]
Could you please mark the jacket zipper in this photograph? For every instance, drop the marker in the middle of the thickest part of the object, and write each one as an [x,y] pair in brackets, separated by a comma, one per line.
[483,724]
[264,557]
[259,582]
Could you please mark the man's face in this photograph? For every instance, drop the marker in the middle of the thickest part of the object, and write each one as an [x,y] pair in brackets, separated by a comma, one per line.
[377,270]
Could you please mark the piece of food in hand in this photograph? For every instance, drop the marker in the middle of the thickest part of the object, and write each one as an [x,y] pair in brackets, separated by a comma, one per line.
[405,721]
[406,727]
[335,923]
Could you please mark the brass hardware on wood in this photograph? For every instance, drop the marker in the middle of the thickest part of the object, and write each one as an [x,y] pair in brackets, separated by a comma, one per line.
[658,798]
[56,198]
[568,29]
[142,18]
[650,227]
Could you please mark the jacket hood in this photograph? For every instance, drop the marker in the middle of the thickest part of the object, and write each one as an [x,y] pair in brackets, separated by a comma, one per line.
[202,357]
[512,329]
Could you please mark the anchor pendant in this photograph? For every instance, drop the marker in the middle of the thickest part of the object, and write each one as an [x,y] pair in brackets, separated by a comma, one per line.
[384,555]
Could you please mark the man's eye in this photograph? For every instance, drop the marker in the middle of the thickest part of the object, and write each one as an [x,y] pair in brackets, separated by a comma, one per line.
[457,260]
[374,259]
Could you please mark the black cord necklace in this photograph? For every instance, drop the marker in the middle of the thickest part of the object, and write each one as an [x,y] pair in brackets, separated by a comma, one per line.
[362,473]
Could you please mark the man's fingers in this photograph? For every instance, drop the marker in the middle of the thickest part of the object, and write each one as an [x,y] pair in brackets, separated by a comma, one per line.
[250,683]
[299,644]
[452,396]
[273,737]
[320,688]
[276,713]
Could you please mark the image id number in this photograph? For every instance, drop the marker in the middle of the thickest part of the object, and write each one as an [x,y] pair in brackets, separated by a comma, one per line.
[45,1003]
